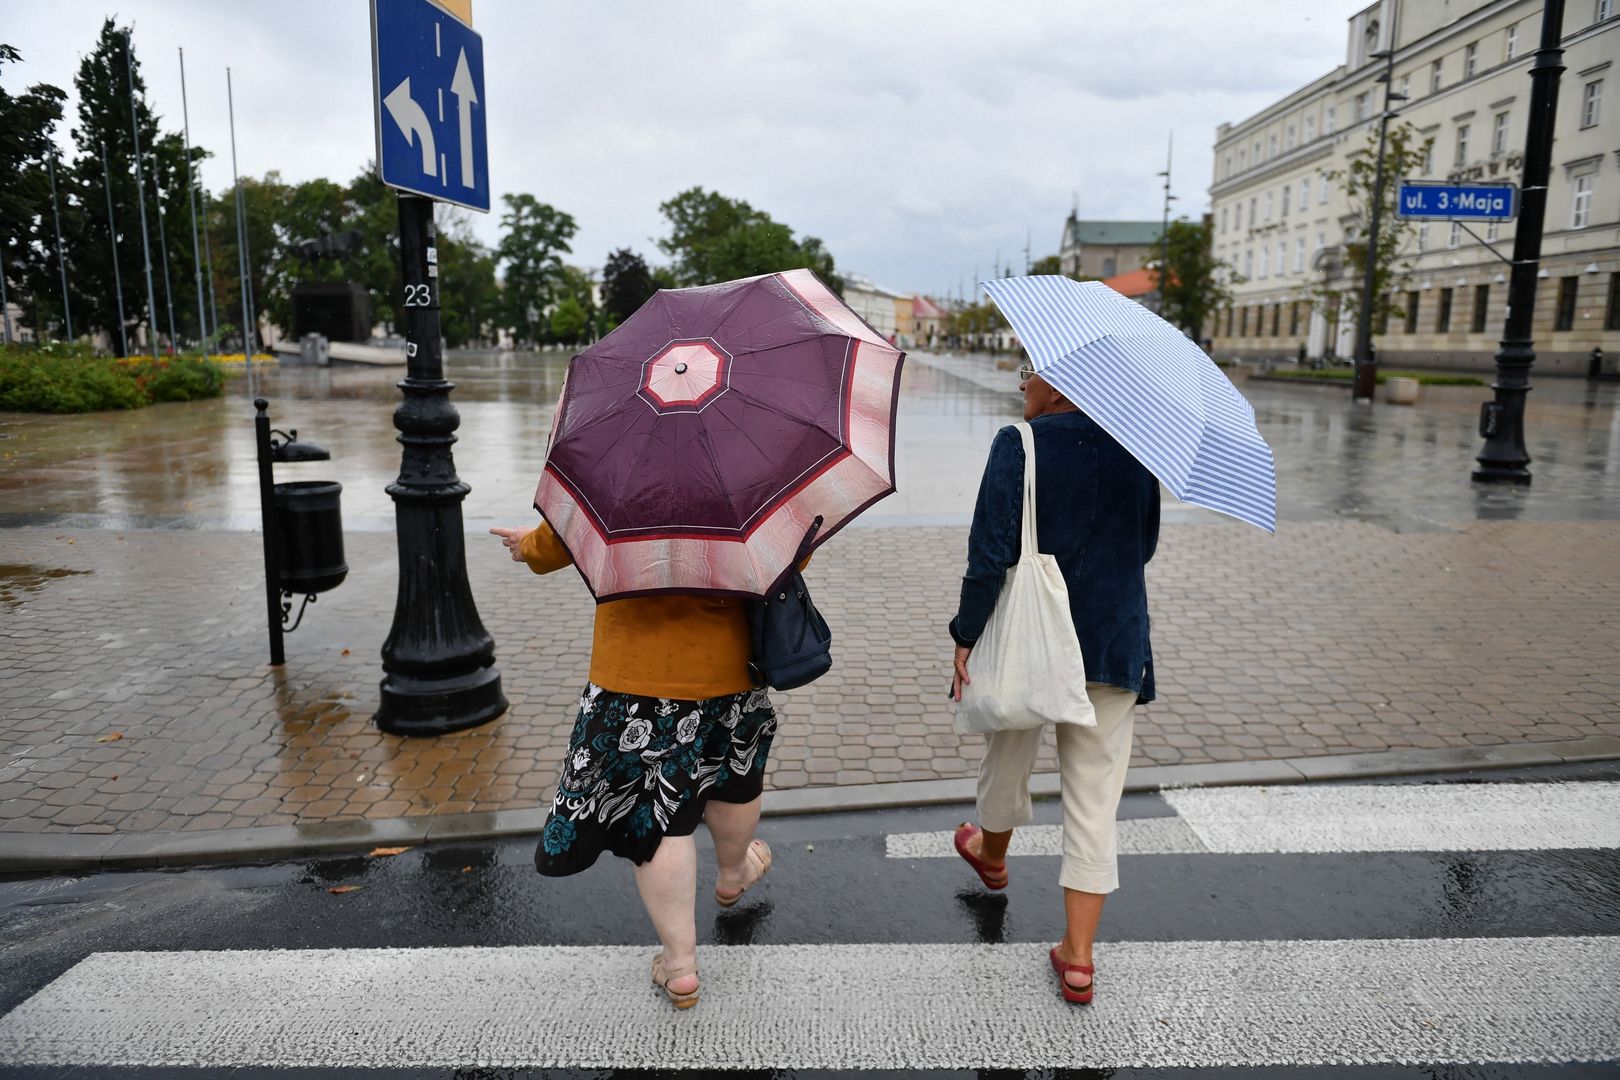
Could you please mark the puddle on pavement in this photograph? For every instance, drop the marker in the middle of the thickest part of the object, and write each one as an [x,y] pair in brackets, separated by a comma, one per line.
[18,581]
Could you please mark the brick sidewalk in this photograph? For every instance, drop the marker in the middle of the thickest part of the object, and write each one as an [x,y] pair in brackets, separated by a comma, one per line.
[135,697]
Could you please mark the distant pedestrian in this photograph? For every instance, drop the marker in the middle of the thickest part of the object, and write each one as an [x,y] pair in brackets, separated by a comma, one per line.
[1098,514]
[669,684]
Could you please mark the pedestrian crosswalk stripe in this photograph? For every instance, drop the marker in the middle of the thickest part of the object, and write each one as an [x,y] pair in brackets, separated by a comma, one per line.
[1322,820]
[1159,1004]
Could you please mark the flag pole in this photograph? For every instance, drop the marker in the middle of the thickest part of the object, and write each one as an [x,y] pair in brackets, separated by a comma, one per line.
[191,199]
[61,258]
[140,188]
[112,236]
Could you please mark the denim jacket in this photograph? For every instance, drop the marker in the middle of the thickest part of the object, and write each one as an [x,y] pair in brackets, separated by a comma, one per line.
[1097,509]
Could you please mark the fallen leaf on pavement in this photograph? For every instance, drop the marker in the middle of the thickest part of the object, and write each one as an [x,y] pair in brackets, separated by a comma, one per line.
[112,736]
[389,851]
[466,869]
[345,652]
[339,890]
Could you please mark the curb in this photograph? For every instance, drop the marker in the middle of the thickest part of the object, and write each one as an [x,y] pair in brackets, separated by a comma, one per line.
[37,852]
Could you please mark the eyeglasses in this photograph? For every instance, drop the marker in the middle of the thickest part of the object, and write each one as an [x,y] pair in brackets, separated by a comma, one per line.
[1026,372]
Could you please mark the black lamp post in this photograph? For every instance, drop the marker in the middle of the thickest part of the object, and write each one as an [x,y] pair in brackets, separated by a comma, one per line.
[1366,381]
[1501,422]
[438,660]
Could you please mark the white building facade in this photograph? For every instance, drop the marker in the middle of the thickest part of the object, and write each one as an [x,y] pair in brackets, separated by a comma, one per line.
[1281,221]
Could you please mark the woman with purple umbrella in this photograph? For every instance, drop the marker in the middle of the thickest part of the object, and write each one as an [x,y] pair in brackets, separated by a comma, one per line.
[694,450]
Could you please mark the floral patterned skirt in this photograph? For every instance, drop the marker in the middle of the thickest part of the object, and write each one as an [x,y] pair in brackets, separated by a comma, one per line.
[639,769]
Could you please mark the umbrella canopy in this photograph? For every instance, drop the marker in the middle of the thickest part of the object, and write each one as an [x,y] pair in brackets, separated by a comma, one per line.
[695,446]
[1150,387]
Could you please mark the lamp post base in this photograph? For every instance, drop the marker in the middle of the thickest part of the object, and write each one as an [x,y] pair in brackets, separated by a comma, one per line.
[439,706]
[1502,474]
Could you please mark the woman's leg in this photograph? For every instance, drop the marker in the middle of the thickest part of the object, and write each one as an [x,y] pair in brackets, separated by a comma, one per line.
[668,886]
[1003,800]
[1092,761]
[732,825]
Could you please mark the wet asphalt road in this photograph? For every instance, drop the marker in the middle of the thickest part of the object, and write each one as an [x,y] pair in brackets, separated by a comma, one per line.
[831,884]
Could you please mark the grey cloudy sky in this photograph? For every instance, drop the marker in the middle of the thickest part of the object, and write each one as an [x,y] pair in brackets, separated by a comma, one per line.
[917,139]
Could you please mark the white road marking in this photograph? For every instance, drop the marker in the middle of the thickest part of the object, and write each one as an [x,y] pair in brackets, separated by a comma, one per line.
[1159,1004]
[1305,819]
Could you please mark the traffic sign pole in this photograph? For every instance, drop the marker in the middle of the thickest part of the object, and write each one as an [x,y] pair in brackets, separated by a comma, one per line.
[438,660]
[439,670]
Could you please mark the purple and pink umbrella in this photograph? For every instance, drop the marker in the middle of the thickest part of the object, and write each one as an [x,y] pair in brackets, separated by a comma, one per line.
[695,446]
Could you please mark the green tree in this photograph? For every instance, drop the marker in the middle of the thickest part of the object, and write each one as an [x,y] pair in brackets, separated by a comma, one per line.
[469,294]
[27,239]
[103,87]
[1047,264]
[1189,276]
[627,283]
[714,238]
[1404,154]
[536,238]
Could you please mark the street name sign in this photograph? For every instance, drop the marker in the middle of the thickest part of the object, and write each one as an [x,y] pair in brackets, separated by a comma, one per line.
[1472,202]
[428,89]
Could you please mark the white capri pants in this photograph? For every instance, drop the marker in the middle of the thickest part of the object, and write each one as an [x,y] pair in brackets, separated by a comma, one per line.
[1091,764]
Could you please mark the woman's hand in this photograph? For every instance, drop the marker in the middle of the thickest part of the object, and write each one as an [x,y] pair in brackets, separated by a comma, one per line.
[513,539]
[959,677]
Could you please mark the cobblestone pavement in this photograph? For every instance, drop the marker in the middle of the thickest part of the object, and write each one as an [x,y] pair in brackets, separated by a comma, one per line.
[1396,608]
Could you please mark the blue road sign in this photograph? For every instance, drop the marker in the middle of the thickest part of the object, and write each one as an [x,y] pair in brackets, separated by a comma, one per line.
[428,85]
[1470,202]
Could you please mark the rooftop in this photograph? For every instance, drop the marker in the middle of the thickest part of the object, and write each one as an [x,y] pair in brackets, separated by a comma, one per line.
[1110,233]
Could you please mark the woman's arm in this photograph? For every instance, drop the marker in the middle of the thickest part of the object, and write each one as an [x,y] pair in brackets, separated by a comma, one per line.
[993,540]
[539,548]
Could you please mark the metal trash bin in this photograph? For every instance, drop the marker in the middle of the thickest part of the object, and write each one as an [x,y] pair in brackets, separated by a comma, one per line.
[309,536]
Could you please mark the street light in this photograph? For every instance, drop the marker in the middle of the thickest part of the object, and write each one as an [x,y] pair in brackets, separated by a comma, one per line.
[1501,421]
[1366,380]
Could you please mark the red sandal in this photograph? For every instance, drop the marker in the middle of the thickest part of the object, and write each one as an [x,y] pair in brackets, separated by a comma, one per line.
[993,878]
[1080,995]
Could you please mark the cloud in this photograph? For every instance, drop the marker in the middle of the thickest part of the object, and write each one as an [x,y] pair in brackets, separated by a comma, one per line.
[916,139]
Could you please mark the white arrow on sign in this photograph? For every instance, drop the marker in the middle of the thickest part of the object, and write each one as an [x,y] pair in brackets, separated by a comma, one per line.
[461,85]
[410,118]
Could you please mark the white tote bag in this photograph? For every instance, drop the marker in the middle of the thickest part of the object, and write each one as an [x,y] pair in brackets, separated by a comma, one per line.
[1026,667]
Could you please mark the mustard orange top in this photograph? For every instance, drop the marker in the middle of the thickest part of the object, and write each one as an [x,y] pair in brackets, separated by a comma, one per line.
[687,647]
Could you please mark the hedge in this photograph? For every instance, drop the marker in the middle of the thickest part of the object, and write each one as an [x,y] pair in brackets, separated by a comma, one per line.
[68,379]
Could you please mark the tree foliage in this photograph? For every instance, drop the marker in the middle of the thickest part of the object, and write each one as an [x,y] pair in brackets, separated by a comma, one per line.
[26,235]
[627,283]
[536,238]
[1404,155]
[1189,276]
[714,238]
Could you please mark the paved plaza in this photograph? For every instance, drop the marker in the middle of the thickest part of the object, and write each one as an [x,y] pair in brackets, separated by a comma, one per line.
[1397,607]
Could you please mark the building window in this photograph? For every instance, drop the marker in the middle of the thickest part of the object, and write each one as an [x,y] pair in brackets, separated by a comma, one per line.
[1243,323]
[1591,103]
[1299,255]
[1423,237]
[1493,229]
[1442,318]
[1248,265]
[1254,215]
[1455,238]
[1276,320]
[1566,303]
[1288,138]
[1293,319]
[1580,211]
[1110,268]
[1434,76]
[1482,307]
[1330,125]
[1406,85]
[1304,192]
[1310,128]
[1243,160]
[1512,41]
[1282,257]
[1321,241]
[1499,133]
[1257,154]
[1271,146]
[1326,184]
[1612,320]
[1605,8]
[1268,206]
[1223,219]
[1462,143]
[1237,216]
[1265,262]
[1428,156]
[1412,312]
[1361,104]
[1287,197]
[1470,59]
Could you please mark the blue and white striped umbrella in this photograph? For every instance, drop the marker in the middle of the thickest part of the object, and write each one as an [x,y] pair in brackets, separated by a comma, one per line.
[1150,387]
